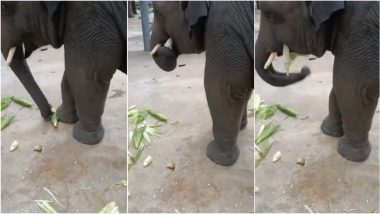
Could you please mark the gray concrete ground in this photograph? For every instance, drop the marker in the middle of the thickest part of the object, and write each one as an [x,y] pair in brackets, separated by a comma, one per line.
[197,184]
[77,174]
[327,182]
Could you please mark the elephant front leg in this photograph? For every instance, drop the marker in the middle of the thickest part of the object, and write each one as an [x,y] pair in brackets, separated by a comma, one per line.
[66,111]
[90,96]
[332,124]
[226,103]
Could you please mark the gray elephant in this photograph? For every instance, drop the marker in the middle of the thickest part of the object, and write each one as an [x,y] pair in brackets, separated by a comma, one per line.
[94,35]
[225,30]
[350,30]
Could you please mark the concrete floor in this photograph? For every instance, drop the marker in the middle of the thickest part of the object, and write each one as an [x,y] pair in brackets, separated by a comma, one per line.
[77,174]
[327,182]
[197,184]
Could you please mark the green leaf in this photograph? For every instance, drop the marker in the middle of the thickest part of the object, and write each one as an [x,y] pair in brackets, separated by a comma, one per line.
[5,102]
[264,112]
[157,115]
[122,183]
[287,111]
[268,131]
[139,117]
[21,102]
[137,136]
[261,155]
[6,121]
[54,119]
[110,208]
[45,206]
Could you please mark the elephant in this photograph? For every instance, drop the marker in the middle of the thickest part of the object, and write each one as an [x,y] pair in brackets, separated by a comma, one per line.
[132,11]
[225,31]
[350,30]
[94,35]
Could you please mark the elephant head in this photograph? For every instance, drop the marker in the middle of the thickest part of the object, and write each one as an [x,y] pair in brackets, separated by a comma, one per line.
[178,28]
[25,26]
[305,27]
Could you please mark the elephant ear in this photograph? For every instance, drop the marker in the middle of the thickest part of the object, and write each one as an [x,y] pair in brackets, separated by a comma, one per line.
[55,22]
[321,11]
[196,13]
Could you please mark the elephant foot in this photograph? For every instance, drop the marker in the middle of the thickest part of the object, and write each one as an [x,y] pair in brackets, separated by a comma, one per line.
[356,152]
[66,116]
[222,153]
[332,127]
[86,136]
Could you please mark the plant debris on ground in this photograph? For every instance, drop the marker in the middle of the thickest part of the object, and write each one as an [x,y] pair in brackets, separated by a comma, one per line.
[141,132]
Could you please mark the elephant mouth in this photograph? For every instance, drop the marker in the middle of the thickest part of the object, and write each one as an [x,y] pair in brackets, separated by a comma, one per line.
[288,55]
[165,55]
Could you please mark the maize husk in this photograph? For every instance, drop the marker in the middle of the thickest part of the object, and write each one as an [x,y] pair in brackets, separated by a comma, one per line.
[277,156]
[21,102]
[14,146]
[6,121]
[287,111]
[138,136]
[45,206]
[5,102]
[268,131]
[264,112]
[148,160]
[54,119]
[157,115]
[110,208]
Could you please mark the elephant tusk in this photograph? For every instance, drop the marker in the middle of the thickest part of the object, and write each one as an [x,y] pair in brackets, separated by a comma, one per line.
[155,49]
[11,53]
[270,60]
[169,43]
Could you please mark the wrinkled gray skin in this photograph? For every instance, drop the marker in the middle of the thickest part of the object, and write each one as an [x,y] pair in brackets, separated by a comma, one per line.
[227,36]
[350,31]
[94,37]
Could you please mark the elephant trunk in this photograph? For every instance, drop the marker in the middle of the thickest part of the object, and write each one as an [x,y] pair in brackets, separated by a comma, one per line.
[20,68]
[266,71]
[165,56]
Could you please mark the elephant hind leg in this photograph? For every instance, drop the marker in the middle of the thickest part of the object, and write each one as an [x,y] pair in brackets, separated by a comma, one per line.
[332,124]
[226,99]
[357,119]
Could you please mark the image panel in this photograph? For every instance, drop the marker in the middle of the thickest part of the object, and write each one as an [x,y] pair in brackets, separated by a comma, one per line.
[64,106]
[191,130]
[317,118]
